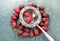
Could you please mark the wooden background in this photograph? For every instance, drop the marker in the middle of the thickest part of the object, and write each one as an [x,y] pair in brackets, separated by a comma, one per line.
[6,10]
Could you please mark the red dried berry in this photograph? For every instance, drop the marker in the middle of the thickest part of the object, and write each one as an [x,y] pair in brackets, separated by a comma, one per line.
[36,32]
[29,4]
[34,5]
[14,24]
[41,24]
[44,19]
[41,12]
[17,10]
[18,24]
[25,34]
[44,28]
[13,17]
[12,20]
[21,6]
[28,19]
[20,27]
[16,14]
[27,14]
[45,15]
[27,30]
[47,23]
[19,32]
[41,8]
[31,34]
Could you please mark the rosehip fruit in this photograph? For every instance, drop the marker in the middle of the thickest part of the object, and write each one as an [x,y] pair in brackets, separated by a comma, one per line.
[25,34]
[41,24]
[41,8]
[27,14]
[20,27]
[47,23]
[13,17]
[12,20]
[21,6]
[34,5]
[14,24]
[44,28]
[28,19]
[16,14]
[19,32]
[45,15]
[27,30]
[41,12]
[44,19]
[17,10]
[36,32]
[29,4]
[31,34]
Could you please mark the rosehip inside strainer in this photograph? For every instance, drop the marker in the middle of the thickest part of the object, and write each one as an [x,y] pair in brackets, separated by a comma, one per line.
[36,19]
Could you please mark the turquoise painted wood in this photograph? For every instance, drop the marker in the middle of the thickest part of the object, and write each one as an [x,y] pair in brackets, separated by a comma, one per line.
[6,10]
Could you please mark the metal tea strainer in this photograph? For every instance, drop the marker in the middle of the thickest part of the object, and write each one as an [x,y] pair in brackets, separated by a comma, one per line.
[34,23]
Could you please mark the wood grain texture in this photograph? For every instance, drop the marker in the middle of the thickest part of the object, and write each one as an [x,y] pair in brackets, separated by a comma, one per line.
[6,10]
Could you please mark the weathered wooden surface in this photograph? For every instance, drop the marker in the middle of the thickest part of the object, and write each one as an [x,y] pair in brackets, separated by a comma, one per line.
[6,10]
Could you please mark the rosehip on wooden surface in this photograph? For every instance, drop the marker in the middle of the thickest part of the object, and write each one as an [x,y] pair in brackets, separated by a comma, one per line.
[13,17]
[44,28]
[16,14]
[25,34]
[12,20]
[19,32]
[36,32]
[20,27]
[27,14]
[47,23]
[21,6]
[44,19]
[41,12]
[31,34]
[34,5]
[41,8]
[29,4]
[17,10]
[45,15]
[27,30]
[14,24]
[41,24]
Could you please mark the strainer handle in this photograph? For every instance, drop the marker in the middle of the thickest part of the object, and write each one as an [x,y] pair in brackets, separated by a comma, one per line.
[46,34]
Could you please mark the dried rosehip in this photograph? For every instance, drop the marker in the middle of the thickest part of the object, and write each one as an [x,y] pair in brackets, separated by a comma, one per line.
[21,6]
[27,14]
[47,23]
[41,24]
[36,32]
[31,34]
[20,27]
[44,28]
[13,17]
[14,24]
[41,12]
[19,32]
[34,5]
[12,20]
[44,19]
[28,19]
[45,15]
[16,14]
[27,30]
[25,34]
[29,4]
[41,8]
[17,10]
